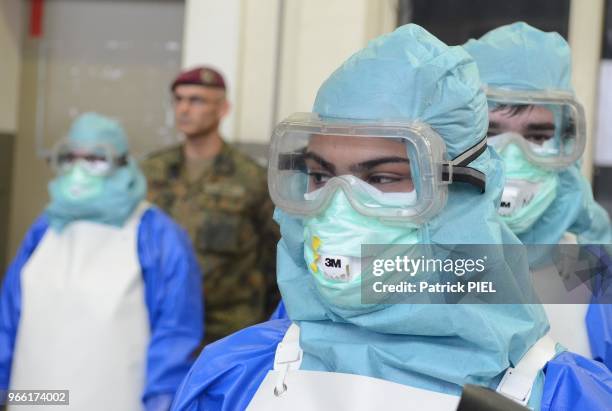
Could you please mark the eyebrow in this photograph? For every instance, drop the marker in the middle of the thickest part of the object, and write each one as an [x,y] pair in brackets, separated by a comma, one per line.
[355,168]
[192,97]
[367,165]
[188,97]
[530,126]
[540,126]
[323,163]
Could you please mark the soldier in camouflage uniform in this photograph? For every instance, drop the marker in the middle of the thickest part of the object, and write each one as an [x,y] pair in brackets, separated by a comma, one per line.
[220,197]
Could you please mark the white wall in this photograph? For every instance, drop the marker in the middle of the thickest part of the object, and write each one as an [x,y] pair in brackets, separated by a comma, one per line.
[603,145]
[258,69]
[276,53]
[212,37]
[10,62]
[318,35]
[585,35]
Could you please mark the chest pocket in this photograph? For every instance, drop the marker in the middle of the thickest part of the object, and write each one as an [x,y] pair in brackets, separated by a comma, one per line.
[224,222]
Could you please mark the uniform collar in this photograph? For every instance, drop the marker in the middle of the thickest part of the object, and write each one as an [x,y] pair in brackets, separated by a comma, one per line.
[223,162]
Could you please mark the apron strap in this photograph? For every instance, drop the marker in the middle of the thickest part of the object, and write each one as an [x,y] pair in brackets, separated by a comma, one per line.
[517,382]
[288,357]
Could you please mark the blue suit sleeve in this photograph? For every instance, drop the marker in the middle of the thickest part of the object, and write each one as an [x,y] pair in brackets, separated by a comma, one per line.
[599,327]
[228,373]
[174,301]
[599,314]
[576,383]
[10,298]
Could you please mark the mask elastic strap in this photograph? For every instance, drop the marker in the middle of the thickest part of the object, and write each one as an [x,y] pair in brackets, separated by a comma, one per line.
[457,170]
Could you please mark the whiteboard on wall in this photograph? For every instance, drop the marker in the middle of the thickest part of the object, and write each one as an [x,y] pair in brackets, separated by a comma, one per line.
[124,72]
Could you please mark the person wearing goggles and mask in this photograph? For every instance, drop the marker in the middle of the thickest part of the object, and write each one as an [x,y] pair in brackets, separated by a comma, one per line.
[103,296]
[538,128]
[394,152]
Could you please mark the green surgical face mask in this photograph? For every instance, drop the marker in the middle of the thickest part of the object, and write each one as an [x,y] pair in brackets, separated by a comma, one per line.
[528,192]
[78,184]
[332,248]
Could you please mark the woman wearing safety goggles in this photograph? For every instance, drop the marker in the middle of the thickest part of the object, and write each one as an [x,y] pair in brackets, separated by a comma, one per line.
[360,183]
[394,153]
[83,169]
[103,287]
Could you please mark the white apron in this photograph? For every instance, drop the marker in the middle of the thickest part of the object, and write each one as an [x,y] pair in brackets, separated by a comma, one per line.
[84,325]
[568,327]
[567,321]
[287,387]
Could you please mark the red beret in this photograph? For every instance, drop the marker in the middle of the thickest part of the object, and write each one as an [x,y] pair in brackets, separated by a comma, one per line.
[201,76]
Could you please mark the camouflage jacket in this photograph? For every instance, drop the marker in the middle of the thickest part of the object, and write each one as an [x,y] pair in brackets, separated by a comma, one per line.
[228,214]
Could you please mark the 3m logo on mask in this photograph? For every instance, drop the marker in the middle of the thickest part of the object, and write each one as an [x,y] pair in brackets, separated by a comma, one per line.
[333,267]
[516,195]
[336,267]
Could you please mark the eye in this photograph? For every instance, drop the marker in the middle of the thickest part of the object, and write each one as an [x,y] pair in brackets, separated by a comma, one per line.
[66,158]
[197,101]
[92,158]
[537,138]
[319,178]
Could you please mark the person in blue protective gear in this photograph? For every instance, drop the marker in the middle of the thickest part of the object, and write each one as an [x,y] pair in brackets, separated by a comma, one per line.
[539,129]
[103,298]
[373,164]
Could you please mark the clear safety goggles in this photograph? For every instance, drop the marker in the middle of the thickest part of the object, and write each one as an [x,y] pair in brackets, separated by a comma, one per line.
[393,170]
[548,126]
[97,160]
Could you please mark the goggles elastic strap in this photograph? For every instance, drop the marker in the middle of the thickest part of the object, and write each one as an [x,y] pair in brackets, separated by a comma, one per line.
[292,161]
[457,170]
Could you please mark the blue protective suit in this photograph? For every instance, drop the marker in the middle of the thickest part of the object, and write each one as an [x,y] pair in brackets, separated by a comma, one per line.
[406,74]
[280,312]
[173,299]
[600,312]
[229,371]
[521,57]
